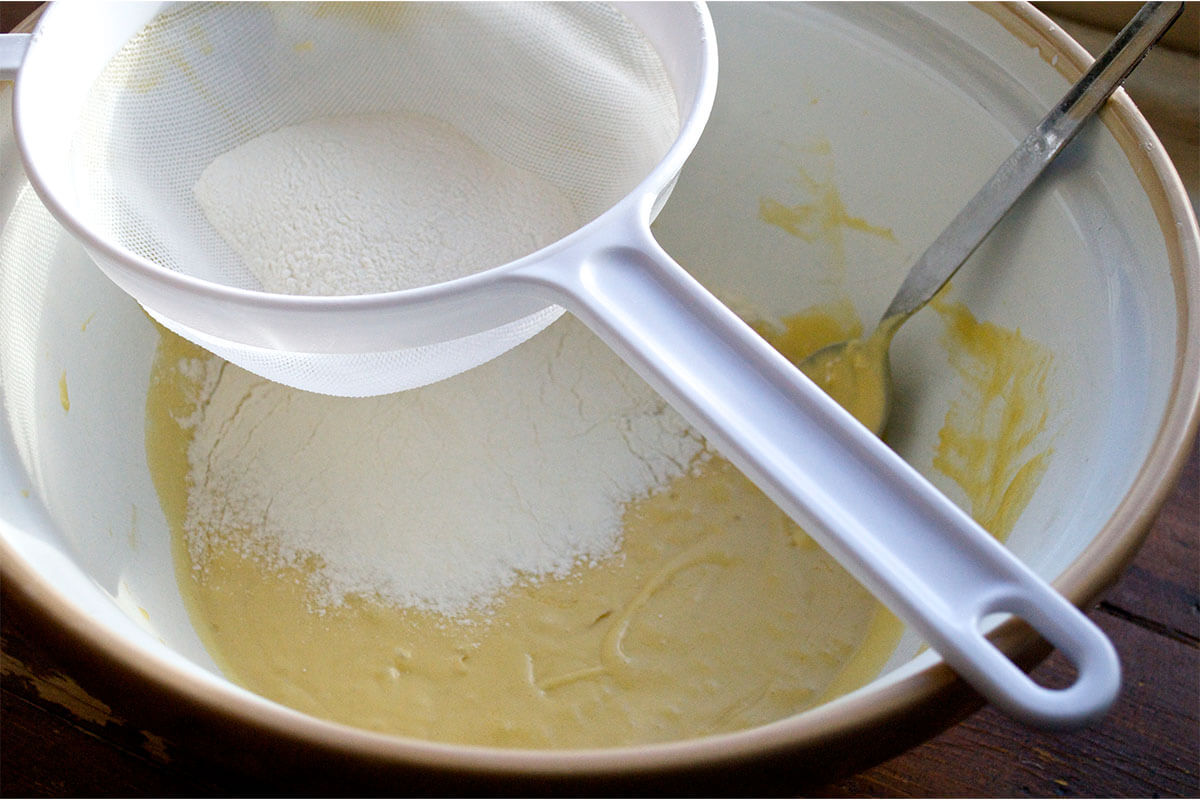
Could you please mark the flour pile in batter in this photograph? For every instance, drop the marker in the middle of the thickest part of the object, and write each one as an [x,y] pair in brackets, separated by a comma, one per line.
[437,498]
[369,203]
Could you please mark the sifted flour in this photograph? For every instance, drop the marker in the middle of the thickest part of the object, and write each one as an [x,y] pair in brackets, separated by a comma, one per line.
[375,203]
[442,496]
[439,497]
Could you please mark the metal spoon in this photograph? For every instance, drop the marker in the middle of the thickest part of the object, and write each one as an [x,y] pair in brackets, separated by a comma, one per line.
[857,373]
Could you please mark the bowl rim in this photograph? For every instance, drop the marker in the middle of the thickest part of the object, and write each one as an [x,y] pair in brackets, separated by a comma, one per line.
[861,712]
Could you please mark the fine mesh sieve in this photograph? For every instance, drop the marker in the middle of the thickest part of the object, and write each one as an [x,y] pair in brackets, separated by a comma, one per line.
[573,93]
[604,103]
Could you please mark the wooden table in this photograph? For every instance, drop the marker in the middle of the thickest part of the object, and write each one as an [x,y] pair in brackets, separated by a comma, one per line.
[56,739]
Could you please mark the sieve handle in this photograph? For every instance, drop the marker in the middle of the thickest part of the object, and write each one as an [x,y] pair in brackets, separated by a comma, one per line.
[12,53]
[914,549]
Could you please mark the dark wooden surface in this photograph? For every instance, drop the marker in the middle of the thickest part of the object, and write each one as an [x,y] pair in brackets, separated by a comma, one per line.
[56,739]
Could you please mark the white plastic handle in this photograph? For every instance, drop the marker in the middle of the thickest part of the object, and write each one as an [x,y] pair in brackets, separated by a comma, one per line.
[12,53]
[905,541]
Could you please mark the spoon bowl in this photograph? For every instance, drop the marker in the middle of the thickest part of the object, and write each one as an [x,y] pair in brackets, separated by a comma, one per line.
[857,373]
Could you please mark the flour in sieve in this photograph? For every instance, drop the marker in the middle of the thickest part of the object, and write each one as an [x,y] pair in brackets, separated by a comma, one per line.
[438,497]
[376,202]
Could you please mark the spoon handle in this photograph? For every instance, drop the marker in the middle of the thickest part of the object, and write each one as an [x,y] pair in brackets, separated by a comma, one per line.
[972,225]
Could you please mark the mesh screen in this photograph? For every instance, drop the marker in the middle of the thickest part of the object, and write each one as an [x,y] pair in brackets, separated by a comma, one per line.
[572,92]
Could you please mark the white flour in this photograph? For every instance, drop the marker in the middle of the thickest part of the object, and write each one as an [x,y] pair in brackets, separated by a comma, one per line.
[442,496]
[439,497]
[372,203]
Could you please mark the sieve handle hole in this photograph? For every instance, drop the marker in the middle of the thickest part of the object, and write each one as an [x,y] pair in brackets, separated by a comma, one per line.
[1069,697]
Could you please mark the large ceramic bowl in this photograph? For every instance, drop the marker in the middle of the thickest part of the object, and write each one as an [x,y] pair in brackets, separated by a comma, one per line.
[901,112]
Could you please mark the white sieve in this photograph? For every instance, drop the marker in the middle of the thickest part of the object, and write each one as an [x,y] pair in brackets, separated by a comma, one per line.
[605,104]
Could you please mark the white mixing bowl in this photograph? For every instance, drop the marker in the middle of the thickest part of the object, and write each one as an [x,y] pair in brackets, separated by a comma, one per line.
[906,110]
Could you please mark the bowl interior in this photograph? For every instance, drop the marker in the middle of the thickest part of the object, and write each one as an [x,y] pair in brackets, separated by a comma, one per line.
[881,120]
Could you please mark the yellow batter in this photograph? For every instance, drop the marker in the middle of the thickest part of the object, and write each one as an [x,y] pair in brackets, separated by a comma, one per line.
[993,443]
[717,614]
[857,374]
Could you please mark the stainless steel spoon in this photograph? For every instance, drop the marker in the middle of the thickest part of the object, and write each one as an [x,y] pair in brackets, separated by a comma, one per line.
[857,373]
